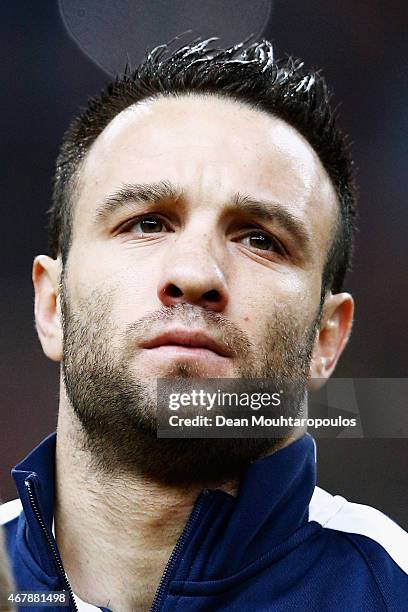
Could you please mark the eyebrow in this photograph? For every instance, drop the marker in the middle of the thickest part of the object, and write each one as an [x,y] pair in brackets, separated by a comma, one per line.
[155,193]
[136,193]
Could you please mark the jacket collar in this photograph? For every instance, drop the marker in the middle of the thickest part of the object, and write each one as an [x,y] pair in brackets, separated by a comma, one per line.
[38,470]
[272,503]
[40,463]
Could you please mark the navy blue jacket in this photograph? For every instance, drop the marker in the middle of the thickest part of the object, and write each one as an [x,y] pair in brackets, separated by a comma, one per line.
[282,544]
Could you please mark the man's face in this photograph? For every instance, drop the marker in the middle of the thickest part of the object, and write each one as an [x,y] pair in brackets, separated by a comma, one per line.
[209,260]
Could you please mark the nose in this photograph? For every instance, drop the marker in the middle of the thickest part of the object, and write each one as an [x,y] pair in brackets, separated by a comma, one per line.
[193,276]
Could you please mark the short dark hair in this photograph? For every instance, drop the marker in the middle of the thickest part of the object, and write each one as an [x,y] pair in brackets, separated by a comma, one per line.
[246,73]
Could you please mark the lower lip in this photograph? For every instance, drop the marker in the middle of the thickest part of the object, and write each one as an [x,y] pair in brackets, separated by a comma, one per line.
[189,352]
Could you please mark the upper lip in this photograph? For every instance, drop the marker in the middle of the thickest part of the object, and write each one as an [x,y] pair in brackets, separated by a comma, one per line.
[183,337]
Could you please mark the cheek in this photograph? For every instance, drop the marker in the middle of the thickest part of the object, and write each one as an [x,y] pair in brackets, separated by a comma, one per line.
[135,298]
[131,288]
[274,296]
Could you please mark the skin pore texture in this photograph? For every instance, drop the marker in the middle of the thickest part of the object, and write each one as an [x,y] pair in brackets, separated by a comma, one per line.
[203,257]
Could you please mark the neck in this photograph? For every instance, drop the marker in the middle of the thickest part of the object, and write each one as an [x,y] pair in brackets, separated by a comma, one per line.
[115,533]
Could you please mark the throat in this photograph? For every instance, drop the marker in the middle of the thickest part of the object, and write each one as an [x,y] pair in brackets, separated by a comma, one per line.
[115,534]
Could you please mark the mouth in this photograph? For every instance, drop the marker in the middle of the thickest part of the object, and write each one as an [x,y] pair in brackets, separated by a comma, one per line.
[188,342]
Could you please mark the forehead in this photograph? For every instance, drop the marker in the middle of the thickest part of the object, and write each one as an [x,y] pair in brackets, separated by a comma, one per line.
[211,148]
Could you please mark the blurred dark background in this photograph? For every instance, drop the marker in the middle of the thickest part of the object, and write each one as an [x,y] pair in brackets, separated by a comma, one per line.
[362,48]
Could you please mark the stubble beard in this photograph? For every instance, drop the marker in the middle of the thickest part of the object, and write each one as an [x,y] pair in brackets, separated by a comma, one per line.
[117,412]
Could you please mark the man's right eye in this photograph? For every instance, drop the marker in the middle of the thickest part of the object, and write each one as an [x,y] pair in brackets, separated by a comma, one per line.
[145,225]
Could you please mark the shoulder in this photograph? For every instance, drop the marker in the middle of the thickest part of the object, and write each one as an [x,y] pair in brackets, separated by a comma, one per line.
[10,511]
[380,537]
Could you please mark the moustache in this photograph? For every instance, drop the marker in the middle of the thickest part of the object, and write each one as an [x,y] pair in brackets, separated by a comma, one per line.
[213,323]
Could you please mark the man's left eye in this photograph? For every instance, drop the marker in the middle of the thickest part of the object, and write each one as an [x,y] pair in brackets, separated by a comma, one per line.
[263,242]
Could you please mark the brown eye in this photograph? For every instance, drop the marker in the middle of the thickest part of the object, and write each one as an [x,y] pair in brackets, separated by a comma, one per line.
[148,225]
[263,242]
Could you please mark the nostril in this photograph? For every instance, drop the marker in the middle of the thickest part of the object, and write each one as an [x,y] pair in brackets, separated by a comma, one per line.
[212,296]
[173,291]
[171,294]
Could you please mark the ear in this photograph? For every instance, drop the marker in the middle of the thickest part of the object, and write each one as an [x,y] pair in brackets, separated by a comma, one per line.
[332,337]
[46,276]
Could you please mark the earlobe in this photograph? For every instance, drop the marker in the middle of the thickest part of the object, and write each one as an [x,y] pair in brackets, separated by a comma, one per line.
[331,340]
[46,275]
